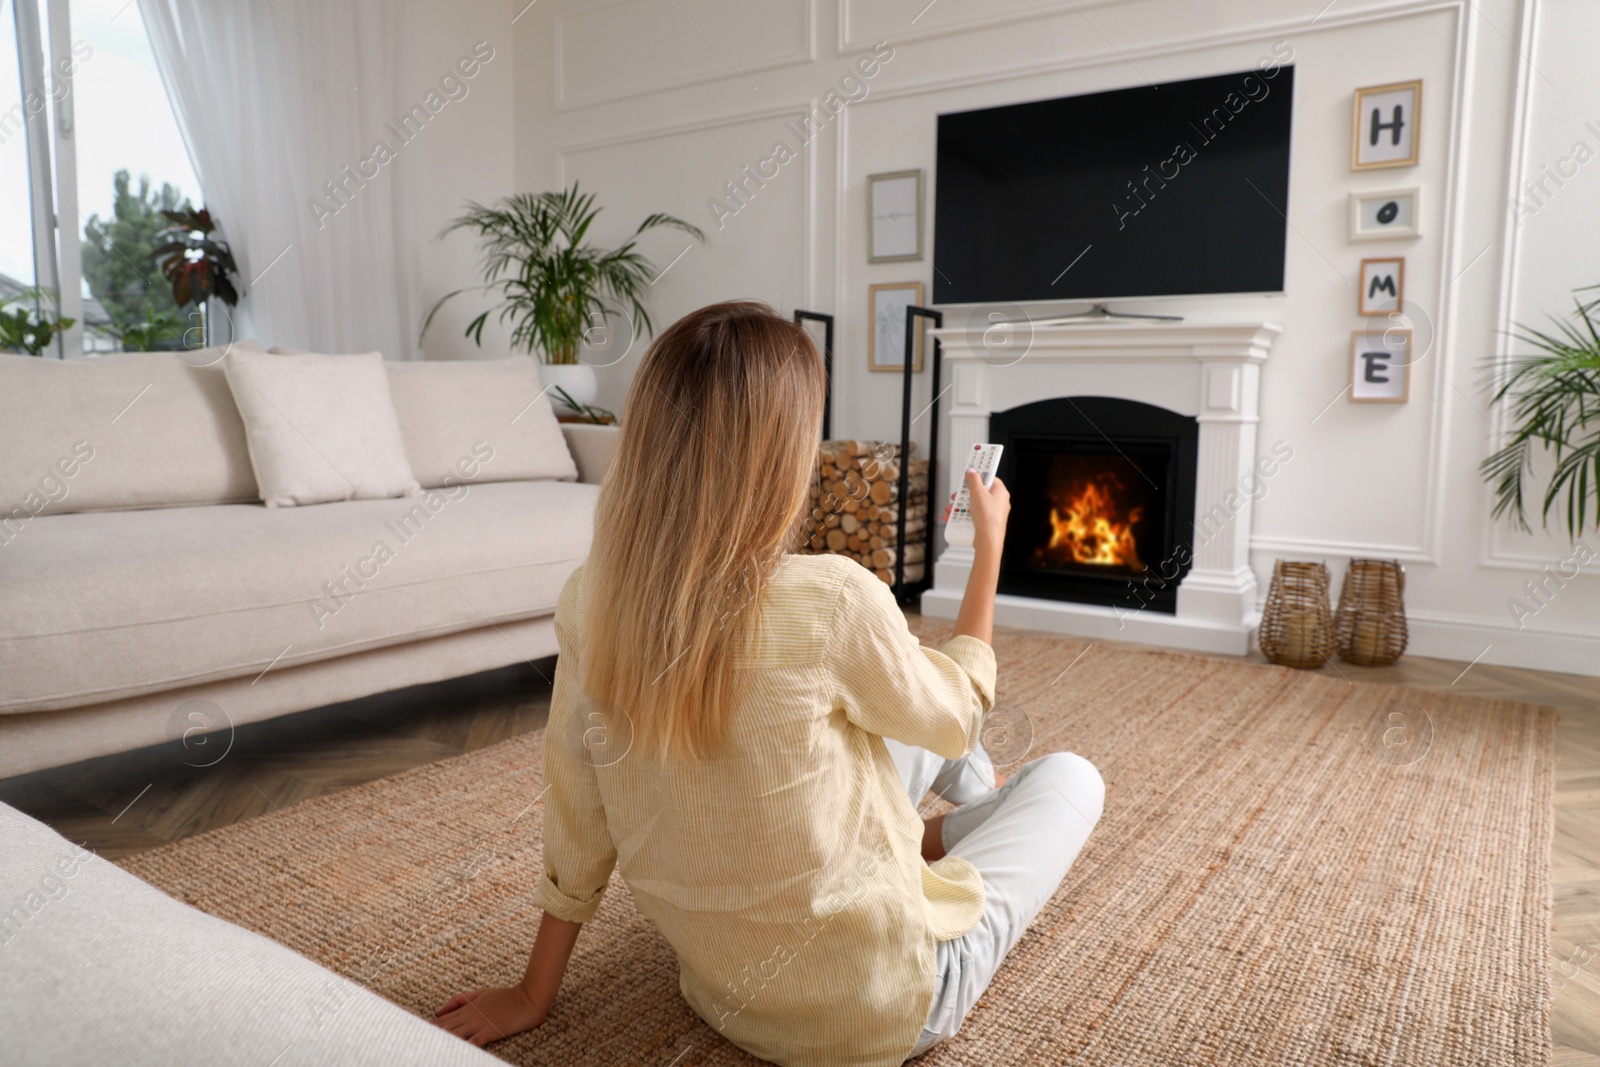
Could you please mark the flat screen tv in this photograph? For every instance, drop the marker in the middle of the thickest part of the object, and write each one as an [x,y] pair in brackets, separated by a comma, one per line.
[1158,190]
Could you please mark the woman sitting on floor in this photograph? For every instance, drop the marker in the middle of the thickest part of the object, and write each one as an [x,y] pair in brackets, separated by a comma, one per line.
[747,733]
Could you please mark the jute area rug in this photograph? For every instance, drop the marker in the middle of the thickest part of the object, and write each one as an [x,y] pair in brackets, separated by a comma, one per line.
[1290,870]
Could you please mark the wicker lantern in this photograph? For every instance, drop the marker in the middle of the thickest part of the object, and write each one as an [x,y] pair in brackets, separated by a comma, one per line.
[1370,627]
[1297,625]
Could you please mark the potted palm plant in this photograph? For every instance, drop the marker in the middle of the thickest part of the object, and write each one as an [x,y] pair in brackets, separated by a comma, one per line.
[554,289]
[1554,399]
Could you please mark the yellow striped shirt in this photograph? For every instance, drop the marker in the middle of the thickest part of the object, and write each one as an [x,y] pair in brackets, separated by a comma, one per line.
[785,871]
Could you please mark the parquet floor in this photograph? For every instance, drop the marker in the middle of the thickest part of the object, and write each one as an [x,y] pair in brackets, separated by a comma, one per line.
[129,802]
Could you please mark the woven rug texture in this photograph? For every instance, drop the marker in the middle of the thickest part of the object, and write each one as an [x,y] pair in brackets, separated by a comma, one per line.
[1290,869]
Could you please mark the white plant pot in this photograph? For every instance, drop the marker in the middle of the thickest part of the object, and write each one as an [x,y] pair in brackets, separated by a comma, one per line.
[575,379]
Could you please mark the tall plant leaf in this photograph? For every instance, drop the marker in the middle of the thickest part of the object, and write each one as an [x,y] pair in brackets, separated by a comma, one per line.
[1554,401]
[549,285]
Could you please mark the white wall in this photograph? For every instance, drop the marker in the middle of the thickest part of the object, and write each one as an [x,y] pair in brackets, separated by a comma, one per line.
[657,106]
[465,153]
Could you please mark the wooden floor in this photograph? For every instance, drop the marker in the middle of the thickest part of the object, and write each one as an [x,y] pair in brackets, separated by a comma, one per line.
[134,801]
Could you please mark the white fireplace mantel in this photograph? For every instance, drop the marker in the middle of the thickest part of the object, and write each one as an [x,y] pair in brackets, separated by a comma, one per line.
[1210,371]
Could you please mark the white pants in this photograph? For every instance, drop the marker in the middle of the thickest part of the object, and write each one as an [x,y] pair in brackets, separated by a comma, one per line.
[1022,838]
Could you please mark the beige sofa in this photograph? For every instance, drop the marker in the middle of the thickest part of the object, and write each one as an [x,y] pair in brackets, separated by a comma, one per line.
[102,968]
[149,596]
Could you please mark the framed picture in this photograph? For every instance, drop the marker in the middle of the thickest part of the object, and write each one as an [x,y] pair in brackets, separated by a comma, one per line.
[886,340]
[894,216]
[1383,285]
[1380,366]
[1386,121]
[1389,213]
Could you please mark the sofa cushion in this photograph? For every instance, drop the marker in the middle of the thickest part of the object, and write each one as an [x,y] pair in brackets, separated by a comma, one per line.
[321,428]
[129,430]
[453,408]
[447,407]
[102,606]
[592,447]
[101,967]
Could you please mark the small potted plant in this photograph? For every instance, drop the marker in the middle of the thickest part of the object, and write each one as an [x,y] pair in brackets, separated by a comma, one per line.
[1554,400]
[30,329]
[197,267]
[554,289]
[158,328]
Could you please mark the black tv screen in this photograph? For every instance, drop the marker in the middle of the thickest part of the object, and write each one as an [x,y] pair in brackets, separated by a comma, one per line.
[1157,190]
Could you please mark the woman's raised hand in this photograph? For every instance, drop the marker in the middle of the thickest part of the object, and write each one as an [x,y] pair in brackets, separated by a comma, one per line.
[989,508]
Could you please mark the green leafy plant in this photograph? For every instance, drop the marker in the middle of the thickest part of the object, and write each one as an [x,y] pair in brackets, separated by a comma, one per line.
[148,335]
[196,266]
[1554,400]
[550,285]
[586,412]
[30,329]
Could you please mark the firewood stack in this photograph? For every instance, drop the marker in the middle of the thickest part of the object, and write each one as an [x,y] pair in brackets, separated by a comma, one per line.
[854,506]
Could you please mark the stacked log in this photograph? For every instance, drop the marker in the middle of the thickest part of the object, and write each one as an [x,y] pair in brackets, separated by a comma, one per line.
[855,506]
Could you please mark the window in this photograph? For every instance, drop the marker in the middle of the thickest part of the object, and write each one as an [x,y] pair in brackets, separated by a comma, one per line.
[16,222]
[97,131]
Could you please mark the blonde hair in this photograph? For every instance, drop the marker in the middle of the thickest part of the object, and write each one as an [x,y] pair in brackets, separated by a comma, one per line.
[702,499]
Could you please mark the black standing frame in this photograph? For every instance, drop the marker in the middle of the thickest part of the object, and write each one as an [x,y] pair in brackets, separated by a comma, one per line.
[905,592]
[827,363]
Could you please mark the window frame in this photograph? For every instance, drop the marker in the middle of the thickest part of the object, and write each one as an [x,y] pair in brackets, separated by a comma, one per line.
[36,129]
[50,139]
[68,240]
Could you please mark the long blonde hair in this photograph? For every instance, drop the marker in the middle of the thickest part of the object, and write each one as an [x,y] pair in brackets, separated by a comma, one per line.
[702,499]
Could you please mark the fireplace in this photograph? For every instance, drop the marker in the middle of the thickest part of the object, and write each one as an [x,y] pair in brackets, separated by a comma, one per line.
[1102,499]
[1153,425]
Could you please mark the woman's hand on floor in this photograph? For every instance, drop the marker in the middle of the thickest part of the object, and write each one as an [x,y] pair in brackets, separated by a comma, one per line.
[486,1015]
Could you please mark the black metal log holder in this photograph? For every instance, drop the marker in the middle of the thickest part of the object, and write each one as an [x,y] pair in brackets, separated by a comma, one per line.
[827,362]
[902,591]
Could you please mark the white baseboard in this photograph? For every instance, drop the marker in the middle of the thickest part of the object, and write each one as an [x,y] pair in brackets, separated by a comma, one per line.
[1469,639]
[1437,636]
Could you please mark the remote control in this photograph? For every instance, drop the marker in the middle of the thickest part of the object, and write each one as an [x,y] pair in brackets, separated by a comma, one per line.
[985,459]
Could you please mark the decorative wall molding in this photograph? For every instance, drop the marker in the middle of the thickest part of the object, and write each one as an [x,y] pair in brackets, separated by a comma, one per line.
[1428,549]
[1243,33]
[1536,564]
[1311,546]
[848,42]
[1493,552]
[651,133]
[808,192]
[1444,322]
[806,51]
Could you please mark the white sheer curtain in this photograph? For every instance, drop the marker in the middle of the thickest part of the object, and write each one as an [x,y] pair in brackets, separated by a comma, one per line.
[276,99]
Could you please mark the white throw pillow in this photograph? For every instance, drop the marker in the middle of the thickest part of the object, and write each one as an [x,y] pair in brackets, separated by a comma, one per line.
[126,430]
[486,420]
[320,427]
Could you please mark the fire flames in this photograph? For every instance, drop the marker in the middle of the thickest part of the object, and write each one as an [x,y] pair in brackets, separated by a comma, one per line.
[1090,529]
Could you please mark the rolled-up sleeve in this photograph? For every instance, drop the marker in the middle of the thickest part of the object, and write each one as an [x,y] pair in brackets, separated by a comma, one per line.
[578,853]
[889,684]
